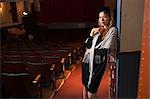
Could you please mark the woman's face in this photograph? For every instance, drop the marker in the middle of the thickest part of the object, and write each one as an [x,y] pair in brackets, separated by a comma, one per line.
[103,19]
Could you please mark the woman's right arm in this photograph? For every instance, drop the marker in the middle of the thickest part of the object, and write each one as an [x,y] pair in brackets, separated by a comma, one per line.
[88,42]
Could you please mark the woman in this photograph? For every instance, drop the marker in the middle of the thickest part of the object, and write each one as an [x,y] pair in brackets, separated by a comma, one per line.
[99,45]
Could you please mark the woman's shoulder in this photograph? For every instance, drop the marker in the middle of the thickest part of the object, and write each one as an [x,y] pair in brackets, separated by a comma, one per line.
[113,28]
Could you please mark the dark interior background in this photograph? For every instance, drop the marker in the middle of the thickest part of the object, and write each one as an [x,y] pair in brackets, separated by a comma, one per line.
[68,10]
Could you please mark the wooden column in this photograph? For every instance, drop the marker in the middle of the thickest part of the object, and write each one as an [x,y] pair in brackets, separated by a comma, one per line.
[144,74]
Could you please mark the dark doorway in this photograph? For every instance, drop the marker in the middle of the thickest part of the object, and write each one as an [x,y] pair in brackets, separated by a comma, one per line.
[13,11]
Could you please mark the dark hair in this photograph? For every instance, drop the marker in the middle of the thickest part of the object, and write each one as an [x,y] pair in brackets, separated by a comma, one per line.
[107,11]
[104,9]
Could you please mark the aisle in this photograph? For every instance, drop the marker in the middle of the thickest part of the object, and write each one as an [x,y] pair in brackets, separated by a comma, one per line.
[72,88]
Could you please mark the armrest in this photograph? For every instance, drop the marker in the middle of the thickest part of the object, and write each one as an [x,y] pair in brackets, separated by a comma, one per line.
[69,54]
[38,91]
[36,79]
[63,60]
[52,67]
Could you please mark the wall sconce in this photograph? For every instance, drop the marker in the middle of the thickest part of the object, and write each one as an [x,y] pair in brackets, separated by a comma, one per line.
[25,13]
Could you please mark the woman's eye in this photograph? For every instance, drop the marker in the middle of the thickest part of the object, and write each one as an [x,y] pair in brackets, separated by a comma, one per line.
[102,17]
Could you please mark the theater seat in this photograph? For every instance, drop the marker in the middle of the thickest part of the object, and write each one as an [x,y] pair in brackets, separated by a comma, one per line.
[21,85]
[14,67]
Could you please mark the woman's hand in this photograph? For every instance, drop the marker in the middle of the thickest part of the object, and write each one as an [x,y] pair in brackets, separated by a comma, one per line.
[94,31]
[112,59]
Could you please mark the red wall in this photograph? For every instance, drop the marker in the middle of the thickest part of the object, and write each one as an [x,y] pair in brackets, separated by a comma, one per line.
[69,10]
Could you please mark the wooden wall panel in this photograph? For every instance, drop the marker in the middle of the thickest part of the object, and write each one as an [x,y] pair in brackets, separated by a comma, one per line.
[131,25]
[144,78]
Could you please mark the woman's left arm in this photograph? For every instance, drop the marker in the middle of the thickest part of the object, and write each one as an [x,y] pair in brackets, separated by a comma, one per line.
[113,46]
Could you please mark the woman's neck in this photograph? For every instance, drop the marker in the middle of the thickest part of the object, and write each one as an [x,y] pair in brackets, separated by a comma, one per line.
[103,30]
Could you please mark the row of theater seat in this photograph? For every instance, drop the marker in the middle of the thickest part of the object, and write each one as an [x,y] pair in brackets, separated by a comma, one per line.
[29,69]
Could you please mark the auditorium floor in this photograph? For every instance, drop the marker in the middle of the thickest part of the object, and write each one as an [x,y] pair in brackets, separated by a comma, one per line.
[47,93]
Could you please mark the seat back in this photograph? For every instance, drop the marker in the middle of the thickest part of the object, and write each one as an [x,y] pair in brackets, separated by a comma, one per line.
[18,85]
[14,67]
[58,65]
[40,68]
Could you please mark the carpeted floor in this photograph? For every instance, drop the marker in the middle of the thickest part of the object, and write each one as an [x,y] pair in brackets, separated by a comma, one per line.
[72,88]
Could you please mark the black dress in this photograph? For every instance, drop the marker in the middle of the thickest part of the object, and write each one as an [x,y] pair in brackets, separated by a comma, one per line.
[99,65]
